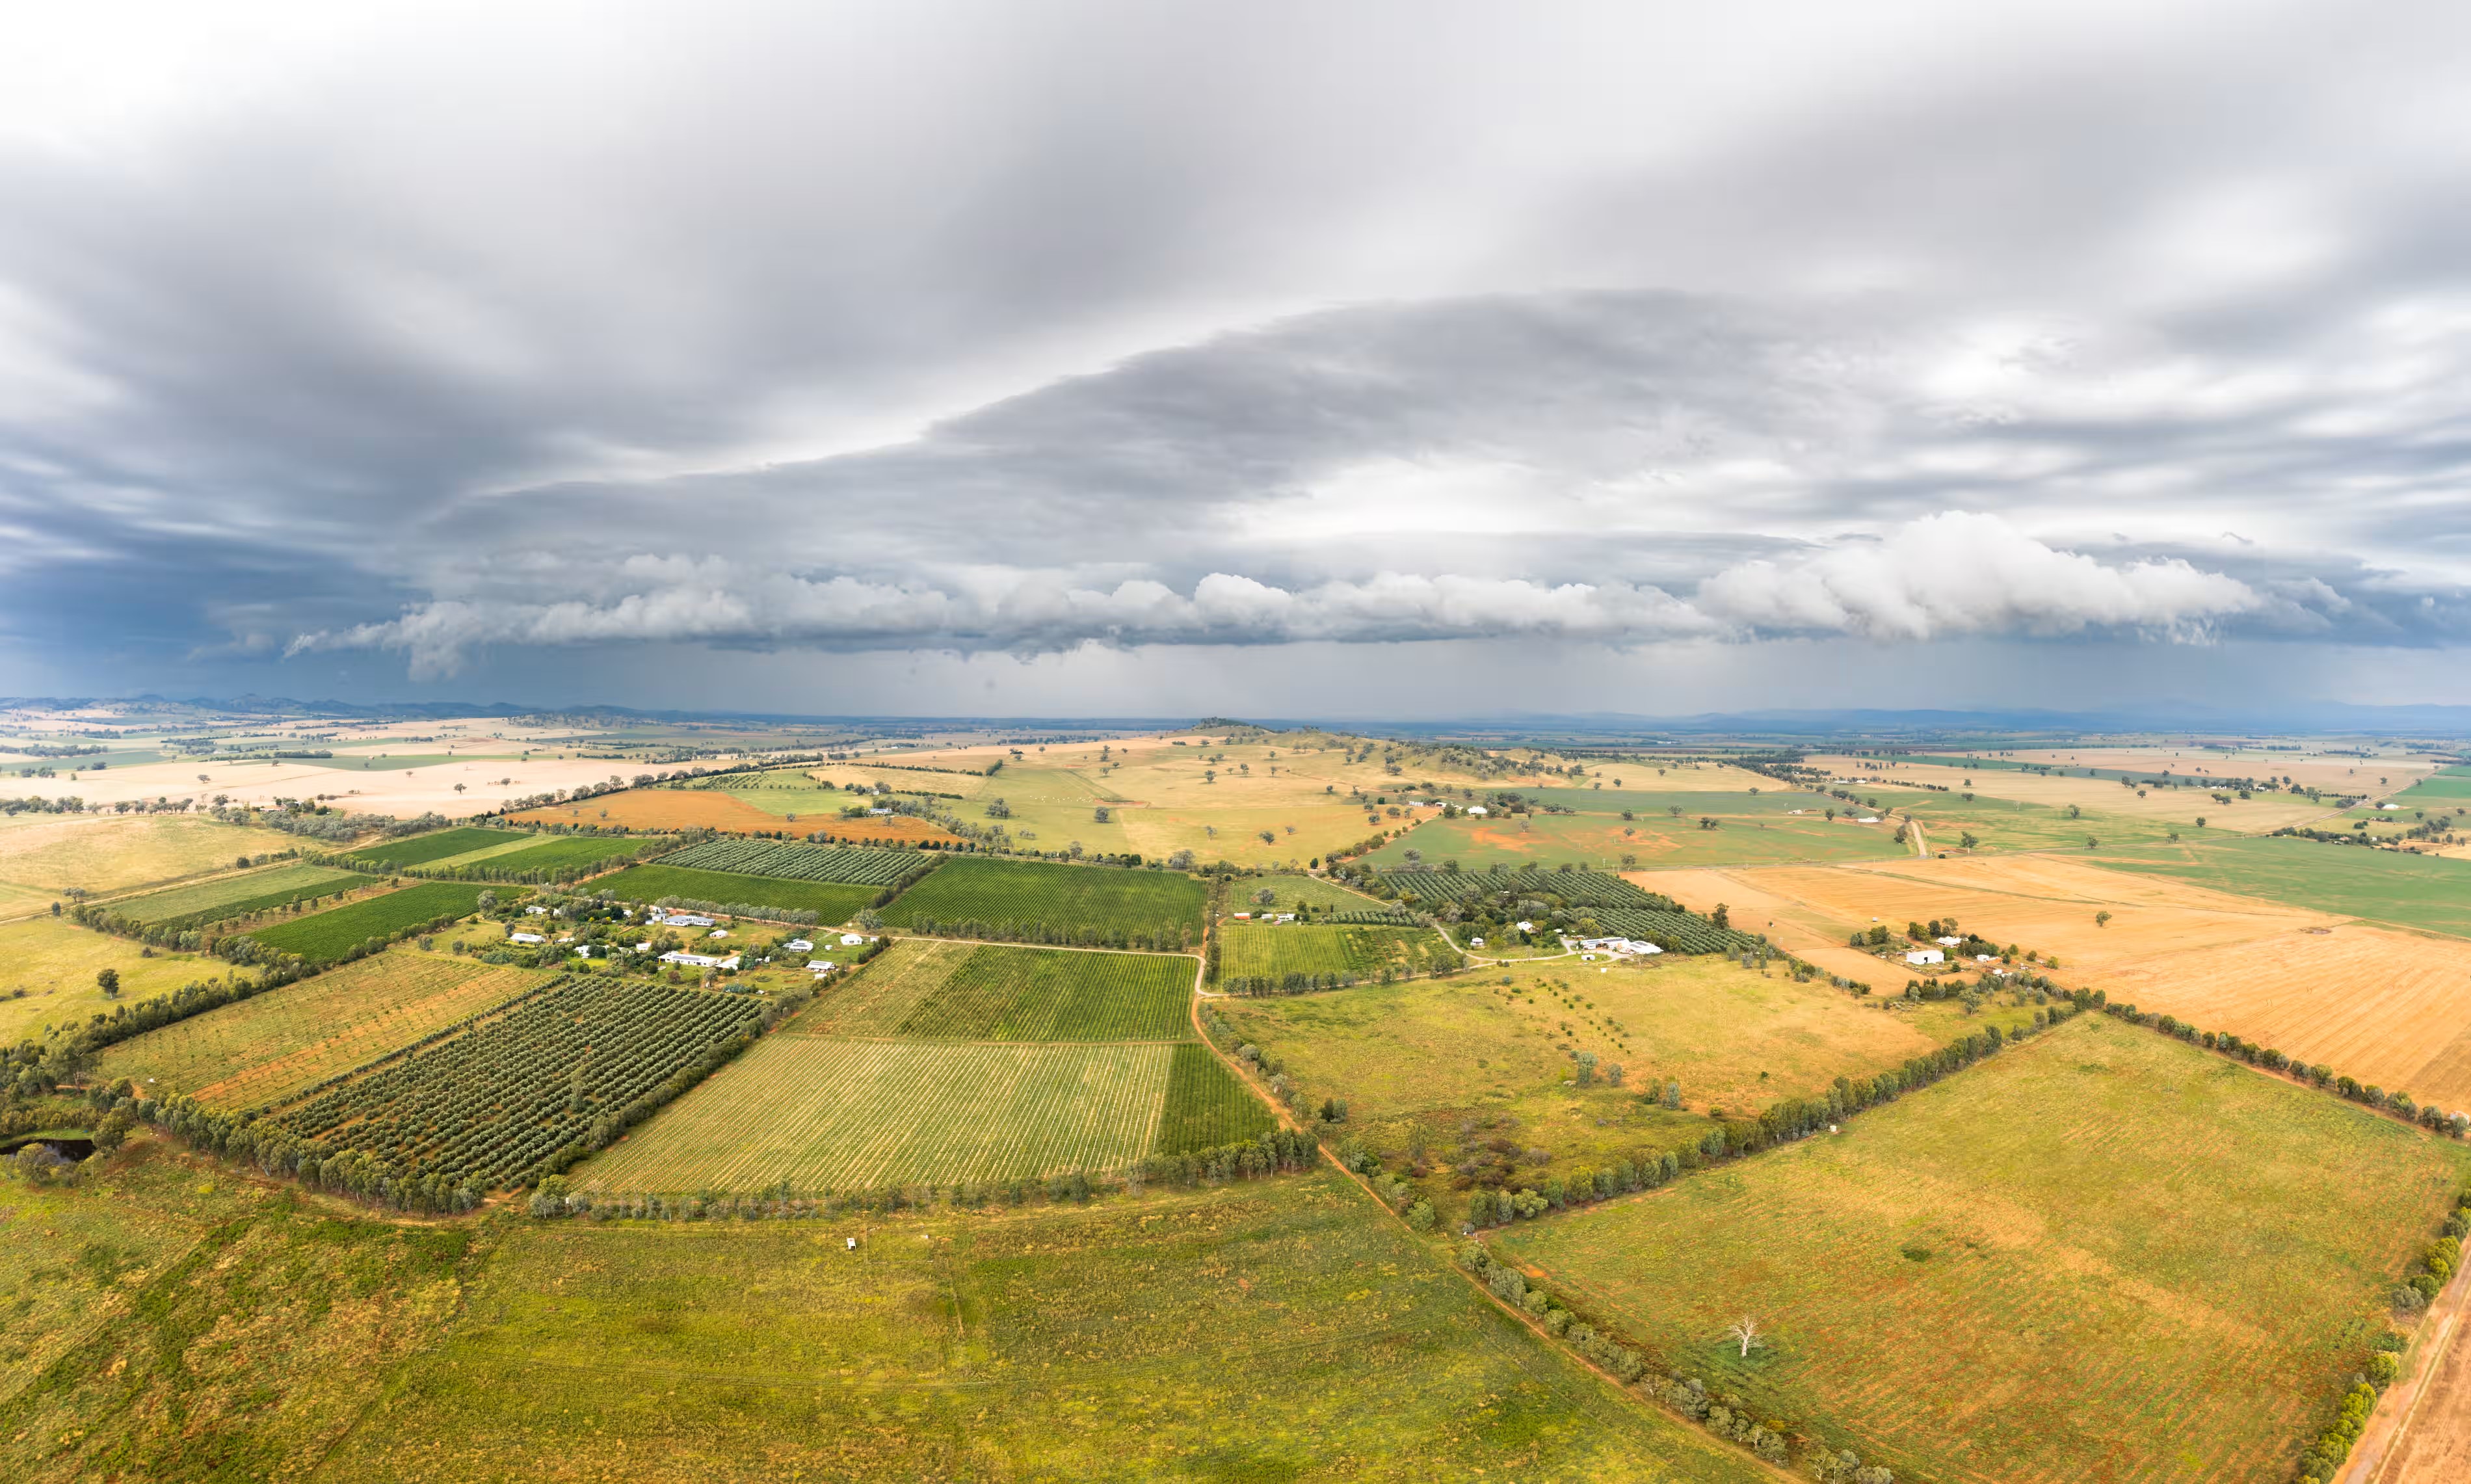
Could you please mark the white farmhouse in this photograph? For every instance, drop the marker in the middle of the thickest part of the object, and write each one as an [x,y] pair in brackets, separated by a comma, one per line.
[820,965]
[799,946]
[851,940]
[525,937]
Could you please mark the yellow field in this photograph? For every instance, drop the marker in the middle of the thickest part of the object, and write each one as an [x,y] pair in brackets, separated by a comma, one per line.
[55,962]
[2177,807]
[395,791]
[711,809]
[2309,769]
[44,853]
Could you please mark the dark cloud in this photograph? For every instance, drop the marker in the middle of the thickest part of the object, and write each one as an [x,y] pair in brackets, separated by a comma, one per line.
[967,329]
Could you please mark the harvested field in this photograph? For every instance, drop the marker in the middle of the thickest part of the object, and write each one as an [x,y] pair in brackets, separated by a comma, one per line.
[2381,886]
[2100,1254]
[1601,842]
[2436,1448]
[2387,1007]
[712,808]
[268,1048]
[44,854]
[843,1116]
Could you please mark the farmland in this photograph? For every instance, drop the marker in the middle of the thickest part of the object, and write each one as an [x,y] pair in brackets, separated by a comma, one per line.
[854,1114]
[322,937]
[43,856]
[2028,1271]
[1437,1053]
[1259,955]
[237,895]
[489,1106]
[1046,1343]
[1015,898]
[553,854]
[1607,842]
[53,964]
[660,810]
[1675,933]
[831,902]
[983,992]
[1568,888]
[266,1048]
[1206,1106]
[855,867]
[2382,886]
[422,849]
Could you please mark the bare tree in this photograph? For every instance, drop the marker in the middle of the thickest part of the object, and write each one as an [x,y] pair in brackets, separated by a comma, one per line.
[1745,1330]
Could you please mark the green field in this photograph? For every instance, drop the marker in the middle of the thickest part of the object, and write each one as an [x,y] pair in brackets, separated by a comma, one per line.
[1289,892]
[830,902]
[1010,894]
[422,849]
[2102,1254]
[321,937]
[850,864]
[184,907]
[2431,892]
[1206,1106]
[1265,955]
[853,1115]
[267,1048]
[1269,1330]
[2013,824]
[2448,790]
[925,990]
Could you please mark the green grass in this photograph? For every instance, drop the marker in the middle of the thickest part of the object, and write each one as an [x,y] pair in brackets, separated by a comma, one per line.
[2448,790]
[1073,898]
[1249,951]
[267,1048]
[1207,1106]
[322,937]
[2012,824]
[363,763]
[237,896]
[2430,892]
[2102,1254]
[849,1114]
[1266,1330]
[422,849]
[1035,994]
[187,1327]
[1289,891]
[830,902]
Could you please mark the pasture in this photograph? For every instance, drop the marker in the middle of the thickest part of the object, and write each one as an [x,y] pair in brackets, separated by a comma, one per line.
[1289,892]
[1013,894]
[2101,1254]
[856,1114]
[2428,892]
[1436,1052]
[1257,954]
[2017,809]
[830,902]
[48,967]
[391,855]
[266,1048]
[322,937]
[1044,1343]
[925,990]
[662,810]
[43,856]
[237,895]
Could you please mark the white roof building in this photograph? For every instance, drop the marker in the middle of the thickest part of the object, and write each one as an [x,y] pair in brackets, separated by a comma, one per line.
[1475,808]
[1527,927]
[1947,942]
[700,960]
[681,920]
[1620,946]
[851,940]
[1926,956]
[1869,819]
[1475,942]
[535,911]
[525,937]
[799,946]
[820,965]
[718,932]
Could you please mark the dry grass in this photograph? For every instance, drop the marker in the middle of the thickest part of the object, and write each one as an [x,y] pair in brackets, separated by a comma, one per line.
[46,853]
[55,962]
[711,809]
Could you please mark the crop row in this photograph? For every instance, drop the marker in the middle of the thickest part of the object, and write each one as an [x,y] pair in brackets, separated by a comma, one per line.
[1676,932]
[324,937]
[856,866]
[1570,888]
[493,1105]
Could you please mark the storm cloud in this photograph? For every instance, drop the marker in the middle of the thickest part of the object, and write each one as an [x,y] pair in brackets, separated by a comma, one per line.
[441,334]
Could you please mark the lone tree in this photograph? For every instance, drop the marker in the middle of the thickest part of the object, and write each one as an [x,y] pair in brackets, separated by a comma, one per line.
[2102,919]
[1745,1330]
[109,982]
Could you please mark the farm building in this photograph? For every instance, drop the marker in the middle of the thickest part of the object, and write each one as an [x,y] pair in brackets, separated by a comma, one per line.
[700,960]
[679,920]
[1927,956]
[799,946]
[1476,810]
[1947,942]
[525,937]
[1618,946]
[820,965]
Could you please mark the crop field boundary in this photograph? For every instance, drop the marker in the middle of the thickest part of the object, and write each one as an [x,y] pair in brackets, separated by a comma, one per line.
[472,1021]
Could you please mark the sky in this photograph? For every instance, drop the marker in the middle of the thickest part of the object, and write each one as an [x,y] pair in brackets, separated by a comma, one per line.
[1411,359]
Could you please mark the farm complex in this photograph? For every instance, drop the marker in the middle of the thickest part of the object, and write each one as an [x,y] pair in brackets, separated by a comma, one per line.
[1229,1102]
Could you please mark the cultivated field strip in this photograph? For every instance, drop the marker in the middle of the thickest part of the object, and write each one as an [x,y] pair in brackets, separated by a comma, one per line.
[856,866]
[1014,895]
[1574,888]
[1675,933]
[834,1114]
[324,937]
[1030,994]
[1206,1106]
[260,1051]
[1250,951]
[234,896]
[422,849]
[880,997]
